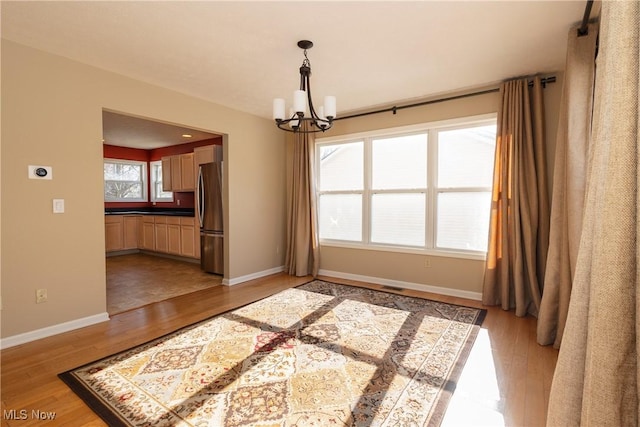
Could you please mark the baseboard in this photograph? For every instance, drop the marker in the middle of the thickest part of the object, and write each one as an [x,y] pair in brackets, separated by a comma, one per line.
[406,285]
[252,276]
[52,330]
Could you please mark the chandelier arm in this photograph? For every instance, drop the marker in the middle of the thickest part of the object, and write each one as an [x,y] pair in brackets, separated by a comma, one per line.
[283,123]
[312,110]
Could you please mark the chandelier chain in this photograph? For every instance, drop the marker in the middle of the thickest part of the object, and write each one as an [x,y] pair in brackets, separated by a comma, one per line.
[305,61]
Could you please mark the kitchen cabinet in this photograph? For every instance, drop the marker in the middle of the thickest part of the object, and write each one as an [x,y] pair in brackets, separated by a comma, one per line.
[148,232]
[178,173]
[130,231]
[173,236]
[113,233]
[166,174]
[160,234]
[121,232]
[203,155]
[176,235]
[187,172]
[188,237]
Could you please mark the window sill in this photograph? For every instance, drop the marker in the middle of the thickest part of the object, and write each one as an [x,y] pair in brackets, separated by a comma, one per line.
[478,256]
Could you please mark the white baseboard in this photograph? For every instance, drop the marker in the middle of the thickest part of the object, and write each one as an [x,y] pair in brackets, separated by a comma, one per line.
[252,276]
[406,285]
[52,330]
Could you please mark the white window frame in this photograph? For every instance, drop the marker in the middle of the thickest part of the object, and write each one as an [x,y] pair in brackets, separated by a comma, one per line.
[432,190]
[153,182]
[144,175]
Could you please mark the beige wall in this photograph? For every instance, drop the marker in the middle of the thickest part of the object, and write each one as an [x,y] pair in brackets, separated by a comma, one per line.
[455,276]
[52,115]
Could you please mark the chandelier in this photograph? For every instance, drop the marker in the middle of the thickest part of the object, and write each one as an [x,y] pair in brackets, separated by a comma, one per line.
[303,109]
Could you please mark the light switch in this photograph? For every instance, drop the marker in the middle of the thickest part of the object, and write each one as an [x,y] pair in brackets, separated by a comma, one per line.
[58,205]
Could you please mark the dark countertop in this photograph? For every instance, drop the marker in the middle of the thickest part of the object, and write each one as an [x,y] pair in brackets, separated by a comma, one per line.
[150,211]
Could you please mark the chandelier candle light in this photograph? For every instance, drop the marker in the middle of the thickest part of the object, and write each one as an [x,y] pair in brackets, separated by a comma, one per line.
[301,112]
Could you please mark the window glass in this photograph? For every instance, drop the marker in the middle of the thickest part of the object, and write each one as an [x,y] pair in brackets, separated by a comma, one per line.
[399,162]
[157,193]
[398,219]
[124,180]
[342,166]
[463,220]
[464,156]
[340,216]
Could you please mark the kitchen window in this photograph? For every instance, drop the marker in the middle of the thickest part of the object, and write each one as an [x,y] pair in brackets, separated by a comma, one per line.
[125,181]
[157,193]
[424,189]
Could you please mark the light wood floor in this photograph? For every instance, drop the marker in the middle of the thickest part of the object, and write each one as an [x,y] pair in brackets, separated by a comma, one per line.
[139,279]
[506,380]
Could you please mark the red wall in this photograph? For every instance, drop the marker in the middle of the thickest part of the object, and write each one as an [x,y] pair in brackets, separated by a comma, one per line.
[187,200]
[158,153]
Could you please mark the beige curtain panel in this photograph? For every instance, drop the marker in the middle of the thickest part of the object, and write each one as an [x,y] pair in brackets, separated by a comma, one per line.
[596,377]
[569,181]
[519,222]
[302,253]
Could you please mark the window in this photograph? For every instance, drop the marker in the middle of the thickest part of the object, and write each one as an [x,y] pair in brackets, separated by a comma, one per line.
[157,193]
[465,174]
[422,188]
[125,181]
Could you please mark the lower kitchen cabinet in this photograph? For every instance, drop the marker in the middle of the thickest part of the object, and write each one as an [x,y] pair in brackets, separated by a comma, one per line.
[147,237]
[130,231]
[113,234]
[158,233]
[188,237]
[173,235]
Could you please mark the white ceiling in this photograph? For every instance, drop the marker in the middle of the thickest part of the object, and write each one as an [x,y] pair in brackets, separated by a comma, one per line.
[136,132]
[243,54]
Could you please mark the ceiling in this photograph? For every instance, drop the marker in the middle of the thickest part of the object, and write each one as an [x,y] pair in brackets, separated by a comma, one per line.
[243,54]
[135,132]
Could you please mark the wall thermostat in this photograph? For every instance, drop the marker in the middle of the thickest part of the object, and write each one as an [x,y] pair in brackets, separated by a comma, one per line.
[40,172]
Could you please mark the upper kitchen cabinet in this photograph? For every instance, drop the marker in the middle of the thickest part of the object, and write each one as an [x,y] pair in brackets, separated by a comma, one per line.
[203,155]
[178,173]
[167,184]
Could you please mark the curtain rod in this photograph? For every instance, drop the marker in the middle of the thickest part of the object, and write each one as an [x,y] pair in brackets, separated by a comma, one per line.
[394,109]
[584,28]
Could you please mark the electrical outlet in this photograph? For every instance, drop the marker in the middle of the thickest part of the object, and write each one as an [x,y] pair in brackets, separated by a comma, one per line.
[41,296]
[427,262]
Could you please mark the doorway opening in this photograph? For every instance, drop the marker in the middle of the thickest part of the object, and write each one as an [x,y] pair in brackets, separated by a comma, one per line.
[152,228]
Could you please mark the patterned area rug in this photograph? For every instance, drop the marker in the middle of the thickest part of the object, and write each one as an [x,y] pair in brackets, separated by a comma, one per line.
[321,354]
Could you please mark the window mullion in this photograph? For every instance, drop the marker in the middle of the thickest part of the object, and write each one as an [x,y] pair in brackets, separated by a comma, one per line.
[432,177]
[367,192]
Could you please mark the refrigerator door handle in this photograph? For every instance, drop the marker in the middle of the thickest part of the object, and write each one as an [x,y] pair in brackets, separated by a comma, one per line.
[200,196]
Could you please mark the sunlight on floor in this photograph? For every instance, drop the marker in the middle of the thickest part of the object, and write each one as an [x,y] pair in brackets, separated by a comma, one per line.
[476,401]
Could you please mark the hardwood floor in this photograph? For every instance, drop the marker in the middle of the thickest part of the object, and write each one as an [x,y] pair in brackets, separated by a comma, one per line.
[506,380]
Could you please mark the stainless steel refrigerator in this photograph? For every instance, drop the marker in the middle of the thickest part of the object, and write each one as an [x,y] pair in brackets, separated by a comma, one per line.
[209,211]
